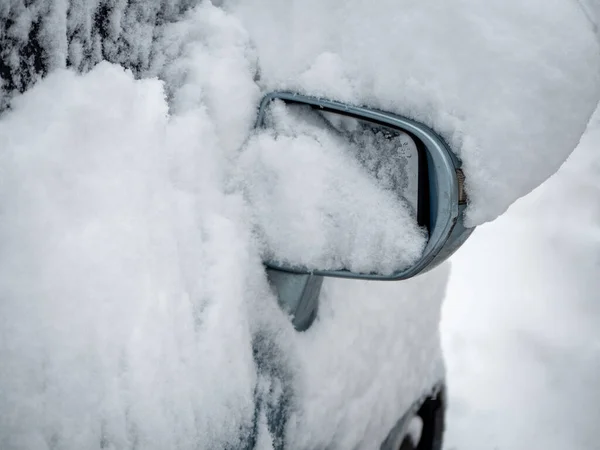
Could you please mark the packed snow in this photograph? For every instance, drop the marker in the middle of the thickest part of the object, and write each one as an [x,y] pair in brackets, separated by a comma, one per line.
[135,309]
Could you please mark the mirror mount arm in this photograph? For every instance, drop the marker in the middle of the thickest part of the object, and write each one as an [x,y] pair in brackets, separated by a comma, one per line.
[297,295]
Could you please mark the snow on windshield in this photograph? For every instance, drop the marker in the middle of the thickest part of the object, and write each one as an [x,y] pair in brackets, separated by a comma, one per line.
[134,300]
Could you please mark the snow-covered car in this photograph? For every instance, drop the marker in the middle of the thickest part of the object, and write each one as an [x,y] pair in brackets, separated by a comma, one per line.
[405,163]
[184,195]
[402,174]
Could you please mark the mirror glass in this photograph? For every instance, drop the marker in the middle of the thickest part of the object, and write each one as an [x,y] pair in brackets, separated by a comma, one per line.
[389,155]
[329,191]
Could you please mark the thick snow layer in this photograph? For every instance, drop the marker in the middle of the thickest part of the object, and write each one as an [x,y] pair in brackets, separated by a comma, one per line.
[374,343]
[135,309]
[520,323]
[509,84]
[133,292]
[116,279]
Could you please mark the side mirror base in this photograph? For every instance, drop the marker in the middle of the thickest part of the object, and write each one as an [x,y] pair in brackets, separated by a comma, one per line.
[298,295]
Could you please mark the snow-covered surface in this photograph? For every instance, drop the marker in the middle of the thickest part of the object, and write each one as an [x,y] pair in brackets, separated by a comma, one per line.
[520,321]
[133,294]
[504,82]
[296,176]
[124,286]
[509,84]
[133,291]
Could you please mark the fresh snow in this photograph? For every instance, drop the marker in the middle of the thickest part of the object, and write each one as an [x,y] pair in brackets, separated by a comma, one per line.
[135,309]
[134,294]
[509,84]
[296,173]
[116,247]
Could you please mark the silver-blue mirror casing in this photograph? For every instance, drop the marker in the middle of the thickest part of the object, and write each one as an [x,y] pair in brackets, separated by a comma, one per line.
[445,203]
[298,288]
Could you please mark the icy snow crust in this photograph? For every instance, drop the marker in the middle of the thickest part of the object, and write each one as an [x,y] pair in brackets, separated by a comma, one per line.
[135,310]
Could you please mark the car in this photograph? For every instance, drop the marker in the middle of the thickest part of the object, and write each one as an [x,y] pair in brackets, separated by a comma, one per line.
[439,204]
[436,198]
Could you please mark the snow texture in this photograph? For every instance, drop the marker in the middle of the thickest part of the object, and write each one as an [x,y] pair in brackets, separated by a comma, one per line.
[107,322]
[510,85]
[134,298]
[296,178]
[135,311]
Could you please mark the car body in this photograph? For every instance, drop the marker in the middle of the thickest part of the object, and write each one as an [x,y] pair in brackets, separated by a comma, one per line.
[298,290]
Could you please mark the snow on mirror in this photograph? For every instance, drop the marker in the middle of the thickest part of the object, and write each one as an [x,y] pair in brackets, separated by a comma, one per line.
[332,192]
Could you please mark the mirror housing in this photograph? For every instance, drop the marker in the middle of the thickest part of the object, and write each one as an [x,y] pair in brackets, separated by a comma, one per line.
[442,199]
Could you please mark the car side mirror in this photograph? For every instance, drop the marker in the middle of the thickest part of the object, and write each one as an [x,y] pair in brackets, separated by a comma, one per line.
[406,159]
